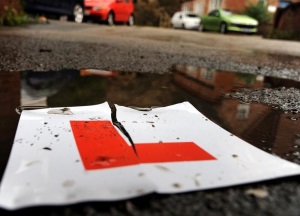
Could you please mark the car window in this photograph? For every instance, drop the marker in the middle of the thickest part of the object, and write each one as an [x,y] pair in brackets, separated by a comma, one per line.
[214,13]
[192,15]
[217,13]
[226,13]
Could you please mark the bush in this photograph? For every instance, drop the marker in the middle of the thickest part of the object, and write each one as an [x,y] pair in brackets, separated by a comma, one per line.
[258,11]
[146,16]
[13,15]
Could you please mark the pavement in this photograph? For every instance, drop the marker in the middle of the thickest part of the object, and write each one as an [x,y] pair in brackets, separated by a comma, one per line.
[64,45]
[61,45]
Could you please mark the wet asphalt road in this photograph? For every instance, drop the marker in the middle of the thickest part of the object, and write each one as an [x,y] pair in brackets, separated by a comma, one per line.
[62,45]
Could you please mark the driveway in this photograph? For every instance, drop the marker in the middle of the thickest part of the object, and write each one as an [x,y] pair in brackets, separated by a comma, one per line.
[61,45]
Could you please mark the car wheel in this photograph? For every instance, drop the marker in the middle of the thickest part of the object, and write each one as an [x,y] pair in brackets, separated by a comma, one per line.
[130,20]
[201,28]
[183,26]
[78,14]
[110,19]
[223,28]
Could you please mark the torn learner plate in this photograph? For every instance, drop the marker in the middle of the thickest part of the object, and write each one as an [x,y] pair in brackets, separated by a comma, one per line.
[95,153]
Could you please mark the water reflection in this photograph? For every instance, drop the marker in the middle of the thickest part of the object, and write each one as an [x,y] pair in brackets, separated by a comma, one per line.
[262,126]
[258,124]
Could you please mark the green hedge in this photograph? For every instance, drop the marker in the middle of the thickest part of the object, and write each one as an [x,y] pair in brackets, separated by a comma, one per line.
[258,11]
[10,16]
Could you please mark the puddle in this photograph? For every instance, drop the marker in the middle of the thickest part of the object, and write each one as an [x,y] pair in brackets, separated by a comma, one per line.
[265,126]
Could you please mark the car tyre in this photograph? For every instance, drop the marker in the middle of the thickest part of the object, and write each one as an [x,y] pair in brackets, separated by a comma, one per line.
[201,28]
[130,20]
[110,19]
[183,26]
[78,14]
[223,28]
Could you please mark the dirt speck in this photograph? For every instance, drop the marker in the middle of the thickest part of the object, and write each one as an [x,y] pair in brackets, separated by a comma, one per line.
[104,160]
[235,156]
[176,185]
[68,183]
[197,179]
[33,163]
[47,148]
[165,169]
[141,174]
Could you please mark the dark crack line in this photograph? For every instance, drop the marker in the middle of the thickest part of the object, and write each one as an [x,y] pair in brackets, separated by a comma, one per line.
[120,126]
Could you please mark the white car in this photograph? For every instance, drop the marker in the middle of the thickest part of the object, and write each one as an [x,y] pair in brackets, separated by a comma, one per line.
[185,20]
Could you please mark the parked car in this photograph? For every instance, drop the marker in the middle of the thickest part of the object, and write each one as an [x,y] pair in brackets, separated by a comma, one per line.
[224,21]
[111,11]
[74,9]
[185,20]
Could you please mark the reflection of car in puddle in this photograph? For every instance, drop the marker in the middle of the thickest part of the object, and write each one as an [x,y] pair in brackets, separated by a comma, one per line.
[205,88]
[37,86]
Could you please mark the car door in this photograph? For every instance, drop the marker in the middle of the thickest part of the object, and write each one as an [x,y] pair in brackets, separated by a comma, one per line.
[213,20]
[47,5]
[67,6]
[180,20]
[128,9]
[174,20]
[119,7]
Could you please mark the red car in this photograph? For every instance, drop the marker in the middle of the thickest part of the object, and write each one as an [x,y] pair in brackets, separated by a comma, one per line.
[111,11]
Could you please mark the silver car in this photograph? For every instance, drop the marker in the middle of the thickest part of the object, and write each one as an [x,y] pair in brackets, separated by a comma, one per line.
[185,20]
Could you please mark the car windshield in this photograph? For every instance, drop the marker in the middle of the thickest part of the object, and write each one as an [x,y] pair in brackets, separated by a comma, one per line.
[192,15]
[226,13]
